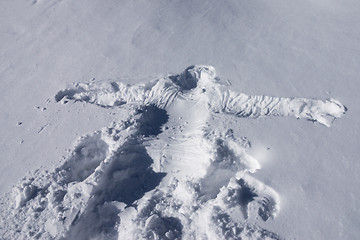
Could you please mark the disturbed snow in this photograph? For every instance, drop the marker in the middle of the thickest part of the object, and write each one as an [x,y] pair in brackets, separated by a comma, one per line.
[170,171]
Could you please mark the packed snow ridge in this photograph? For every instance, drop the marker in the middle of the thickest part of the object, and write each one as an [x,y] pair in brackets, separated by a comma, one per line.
[167,172]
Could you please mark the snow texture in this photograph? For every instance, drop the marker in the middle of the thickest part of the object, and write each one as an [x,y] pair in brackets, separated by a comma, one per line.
[166,172]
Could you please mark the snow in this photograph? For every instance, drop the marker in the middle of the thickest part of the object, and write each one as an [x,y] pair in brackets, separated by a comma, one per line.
[305,49]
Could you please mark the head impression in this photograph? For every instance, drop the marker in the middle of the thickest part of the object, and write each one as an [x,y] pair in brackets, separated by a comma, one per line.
[193,76]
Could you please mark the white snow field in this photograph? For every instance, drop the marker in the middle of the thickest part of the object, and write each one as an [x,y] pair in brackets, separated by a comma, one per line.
[104,135]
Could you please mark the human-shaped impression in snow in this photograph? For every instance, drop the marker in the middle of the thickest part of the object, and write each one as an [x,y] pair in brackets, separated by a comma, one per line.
[208,171]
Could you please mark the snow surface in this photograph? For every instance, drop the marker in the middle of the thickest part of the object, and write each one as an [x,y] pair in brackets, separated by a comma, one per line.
[305,49]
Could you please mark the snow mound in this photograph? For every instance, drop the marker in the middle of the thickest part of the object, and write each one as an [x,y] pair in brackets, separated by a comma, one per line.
[167,172]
